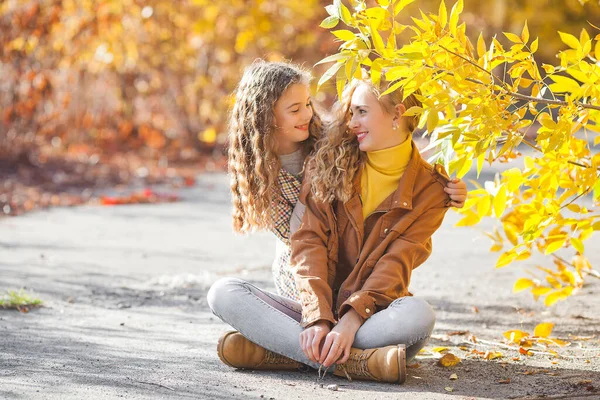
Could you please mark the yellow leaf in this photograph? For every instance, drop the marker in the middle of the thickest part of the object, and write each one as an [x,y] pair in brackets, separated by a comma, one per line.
[439,349]
[453,377]
[471,219]
[522,284]
[597,49]
[506,258]
[569,40]
[555,245]
[448,388]
[492,355]
[443,15]
[540,291]
[512,37]
[578,244]
[449,360]
[344,34]
[376,38]
[525,33]
[454,14]
[481,45]
[534,45]
[496,247]
[548,68]
[557,295]
[515,335]
[543,330]
[500,201]
[563,84]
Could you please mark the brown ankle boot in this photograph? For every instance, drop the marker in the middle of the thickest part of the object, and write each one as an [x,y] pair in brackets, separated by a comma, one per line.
[238,352]
[385,364]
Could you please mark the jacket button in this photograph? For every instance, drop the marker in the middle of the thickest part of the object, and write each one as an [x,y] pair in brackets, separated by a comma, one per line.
[386,230]
[368,310]
[405,204]
[346,293]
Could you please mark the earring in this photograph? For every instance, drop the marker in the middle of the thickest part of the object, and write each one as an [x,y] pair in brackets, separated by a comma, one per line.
[395,125]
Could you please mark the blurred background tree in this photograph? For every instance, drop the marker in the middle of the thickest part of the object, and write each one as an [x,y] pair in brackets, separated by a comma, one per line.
[131,84]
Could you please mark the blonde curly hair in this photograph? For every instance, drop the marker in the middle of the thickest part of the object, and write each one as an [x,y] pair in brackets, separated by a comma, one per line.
[337,159]
[253,163]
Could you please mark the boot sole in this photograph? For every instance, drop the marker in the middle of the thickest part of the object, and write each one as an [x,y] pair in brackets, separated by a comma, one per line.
[220,345]
[401,363]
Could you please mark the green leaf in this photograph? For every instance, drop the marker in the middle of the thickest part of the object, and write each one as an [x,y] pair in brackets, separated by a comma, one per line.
[329,22]
[329,73]
[334,57]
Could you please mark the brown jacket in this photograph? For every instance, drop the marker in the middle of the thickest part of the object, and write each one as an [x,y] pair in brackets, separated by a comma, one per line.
[342,261]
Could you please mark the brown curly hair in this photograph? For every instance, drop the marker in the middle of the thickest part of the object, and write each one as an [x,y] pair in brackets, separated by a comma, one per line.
[253,163]
[337,159]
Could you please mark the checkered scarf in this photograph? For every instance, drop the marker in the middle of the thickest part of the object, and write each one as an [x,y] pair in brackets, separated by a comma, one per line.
[289,186]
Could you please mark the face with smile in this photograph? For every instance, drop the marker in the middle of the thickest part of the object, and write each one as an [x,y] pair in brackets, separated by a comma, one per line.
[293,112]
[372,124]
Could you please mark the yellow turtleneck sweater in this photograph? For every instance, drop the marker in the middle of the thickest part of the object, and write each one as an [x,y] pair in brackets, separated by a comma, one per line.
[381,174]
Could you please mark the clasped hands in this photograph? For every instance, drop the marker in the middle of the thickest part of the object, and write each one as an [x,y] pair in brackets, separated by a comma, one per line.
[327,346]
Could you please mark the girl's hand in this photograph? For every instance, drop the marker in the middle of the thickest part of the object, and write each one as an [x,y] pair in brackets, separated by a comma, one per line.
[338,342]
[311,338]
[457,189]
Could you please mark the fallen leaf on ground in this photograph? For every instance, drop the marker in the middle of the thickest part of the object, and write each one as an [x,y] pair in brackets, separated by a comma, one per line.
[457,333]
[504,381]
[448,360]
[439,349]
[515,335]
[415,365]
[525,352]
[448,388]
[543,330]
[492,355]
[453,377]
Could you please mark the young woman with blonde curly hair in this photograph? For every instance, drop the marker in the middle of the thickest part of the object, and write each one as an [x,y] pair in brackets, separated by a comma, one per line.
[272,119]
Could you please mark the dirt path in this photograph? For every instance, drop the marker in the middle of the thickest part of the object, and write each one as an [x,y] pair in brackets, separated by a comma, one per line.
[126,314]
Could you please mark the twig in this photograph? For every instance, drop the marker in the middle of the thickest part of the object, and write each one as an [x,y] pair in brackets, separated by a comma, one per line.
[516,95]
[155,384]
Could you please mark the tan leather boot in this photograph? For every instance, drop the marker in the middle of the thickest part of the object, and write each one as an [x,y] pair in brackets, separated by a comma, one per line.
[238,352]
[385,364]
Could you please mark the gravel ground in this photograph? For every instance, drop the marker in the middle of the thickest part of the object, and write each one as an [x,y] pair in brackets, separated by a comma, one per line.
[125,313]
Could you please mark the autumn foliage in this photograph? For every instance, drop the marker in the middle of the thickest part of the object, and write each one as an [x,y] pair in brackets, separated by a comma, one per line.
[483,99]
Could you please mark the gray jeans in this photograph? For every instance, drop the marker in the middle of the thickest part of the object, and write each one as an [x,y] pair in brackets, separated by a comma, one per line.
[273,321]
